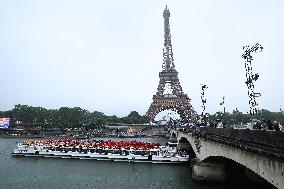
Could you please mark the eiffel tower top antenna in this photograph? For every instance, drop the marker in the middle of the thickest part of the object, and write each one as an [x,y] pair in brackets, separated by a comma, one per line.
[168,59]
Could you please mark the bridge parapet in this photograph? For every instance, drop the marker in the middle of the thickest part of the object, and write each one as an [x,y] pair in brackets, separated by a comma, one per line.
[265,142]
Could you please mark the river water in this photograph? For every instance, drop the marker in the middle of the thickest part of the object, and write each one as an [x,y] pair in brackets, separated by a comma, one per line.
[46,173]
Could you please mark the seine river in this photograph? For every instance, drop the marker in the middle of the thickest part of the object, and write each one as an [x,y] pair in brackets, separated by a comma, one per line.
[46,173]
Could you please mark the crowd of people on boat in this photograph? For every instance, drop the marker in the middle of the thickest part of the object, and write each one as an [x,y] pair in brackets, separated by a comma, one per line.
[71,142]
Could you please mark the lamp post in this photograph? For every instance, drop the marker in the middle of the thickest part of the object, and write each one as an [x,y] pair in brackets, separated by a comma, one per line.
[203,99]
[224,108]
[282,114]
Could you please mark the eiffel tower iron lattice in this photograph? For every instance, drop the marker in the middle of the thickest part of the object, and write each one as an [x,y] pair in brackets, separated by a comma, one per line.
[170,95]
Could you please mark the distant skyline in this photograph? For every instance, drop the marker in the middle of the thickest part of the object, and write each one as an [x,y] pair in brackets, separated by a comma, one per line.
[106,55]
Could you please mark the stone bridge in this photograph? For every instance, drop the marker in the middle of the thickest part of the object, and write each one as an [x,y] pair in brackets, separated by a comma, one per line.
[260,152]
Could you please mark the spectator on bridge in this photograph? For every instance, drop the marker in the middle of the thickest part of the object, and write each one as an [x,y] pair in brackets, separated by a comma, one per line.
[212,124]
[281,128]
[269,125]
[276,126]
[224,124]
[257,125]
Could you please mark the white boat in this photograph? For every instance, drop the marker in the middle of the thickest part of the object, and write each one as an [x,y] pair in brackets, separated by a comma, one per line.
[160,154]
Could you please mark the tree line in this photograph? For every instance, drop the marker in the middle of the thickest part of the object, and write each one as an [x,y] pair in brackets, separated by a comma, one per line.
[237,117]
[65,117]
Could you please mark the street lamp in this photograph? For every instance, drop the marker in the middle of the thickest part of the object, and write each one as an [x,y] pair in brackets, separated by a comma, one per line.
[223,103]
[203,99]
[282,114]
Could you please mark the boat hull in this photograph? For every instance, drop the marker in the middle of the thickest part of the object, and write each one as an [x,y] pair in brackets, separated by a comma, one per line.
[100,157]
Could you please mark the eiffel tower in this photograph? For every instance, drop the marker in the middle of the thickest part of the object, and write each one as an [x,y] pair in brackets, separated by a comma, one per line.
[169,95]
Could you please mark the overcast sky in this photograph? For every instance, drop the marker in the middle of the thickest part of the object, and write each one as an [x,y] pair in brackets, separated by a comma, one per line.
[106,55]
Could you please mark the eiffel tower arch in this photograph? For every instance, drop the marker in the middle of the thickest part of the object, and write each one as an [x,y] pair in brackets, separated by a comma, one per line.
[169,95]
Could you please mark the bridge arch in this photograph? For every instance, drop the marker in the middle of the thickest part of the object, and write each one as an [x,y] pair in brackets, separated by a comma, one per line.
[184,145]
[264,166]
[183,140]
[239,171]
